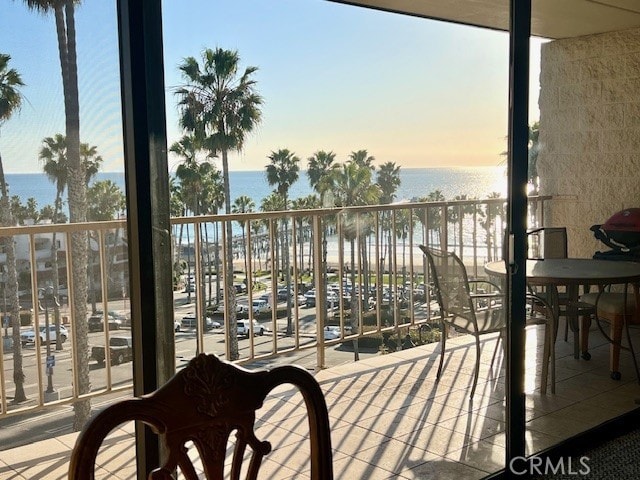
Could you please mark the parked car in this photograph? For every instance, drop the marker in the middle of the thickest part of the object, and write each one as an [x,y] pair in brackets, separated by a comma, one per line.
[189,321]
[284,294]
[240,287]
[331,332]
[260,306]
[29,337]
[120,350]
[96,321]
[244,329]
[310,298]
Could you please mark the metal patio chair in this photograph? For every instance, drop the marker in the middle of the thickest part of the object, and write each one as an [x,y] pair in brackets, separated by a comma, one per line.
[482,312]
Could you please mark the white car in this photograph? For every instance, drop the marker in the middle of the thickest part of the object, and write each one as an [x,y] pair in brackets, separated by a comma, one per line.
[189,321]
[243,328]
[260,306]
[29,337]
[331,332]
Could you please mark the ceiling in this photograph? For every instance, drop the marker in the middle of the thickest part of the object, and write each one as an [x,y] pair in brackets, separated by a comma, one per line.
[549,18]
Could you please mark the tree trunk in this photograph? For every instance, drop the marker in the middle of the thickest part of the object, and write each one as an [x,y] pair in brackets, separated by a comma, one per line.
[77,188]
[231,323]
[11,290]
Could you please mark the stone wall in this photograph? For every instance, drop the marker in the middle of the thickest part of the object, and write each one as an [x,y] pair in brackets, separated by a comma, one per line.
[589,132]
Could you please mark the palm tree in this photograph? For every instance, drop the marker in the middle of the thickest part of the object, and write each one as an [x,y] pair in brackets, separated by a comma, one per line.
[10,102]
[105,201]
[488,217]
[353,186]
[431,217]
[194,179]
[321,172]
[256,230]
[388,178]
[457,215]
[64,12]
[305,203]
[282,172]
[57,169]
[244,204]
[220,108]
[273,203]
[362,159]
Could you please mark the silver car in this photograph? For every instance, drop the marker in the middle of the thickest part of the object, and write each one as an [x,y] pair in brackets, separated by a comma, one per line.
[29,337]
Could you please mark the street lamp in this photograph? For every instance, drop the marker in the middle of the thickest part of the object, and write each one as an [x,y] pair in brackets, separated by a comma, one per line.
[45,294]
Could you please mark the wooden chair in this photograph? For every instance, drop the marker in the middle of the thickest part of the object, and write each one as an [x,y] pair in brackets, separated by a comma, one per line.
[213,398]
[619,310]
[481,312]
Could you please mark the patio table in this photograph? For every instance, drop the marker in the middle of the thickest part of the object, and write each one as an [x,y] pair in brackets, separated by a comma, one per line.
[571,273]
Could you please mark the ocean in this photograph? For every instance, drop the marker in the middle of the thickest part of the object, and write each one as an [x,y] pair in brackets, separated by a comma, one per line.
[477,182]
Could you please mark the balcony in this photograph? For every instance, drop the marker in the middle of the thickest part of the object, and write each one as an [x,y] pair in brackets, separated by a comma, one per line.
[390,419]
[389,416]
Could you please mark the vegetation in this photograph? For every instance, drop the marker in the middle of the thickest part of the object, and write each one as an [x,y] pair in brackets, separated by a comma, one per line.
[10,103]
[282,172]
[220,108]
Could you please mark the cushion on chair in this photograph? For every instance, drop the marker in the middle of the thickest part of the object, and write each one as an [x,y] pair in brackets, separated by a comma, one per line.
[612,303]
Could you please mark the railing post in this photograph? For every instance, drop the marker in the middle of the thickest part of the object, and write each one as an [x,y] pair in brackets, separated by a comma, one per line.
[319,268]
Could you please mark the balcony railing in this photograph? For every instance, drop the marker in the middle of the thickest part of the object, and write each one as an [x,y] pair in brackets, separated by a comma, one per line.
[318,278]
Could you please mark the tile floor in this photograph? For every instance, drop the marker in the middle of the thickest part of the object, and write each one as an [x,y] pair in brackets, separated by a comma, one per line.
[390,420]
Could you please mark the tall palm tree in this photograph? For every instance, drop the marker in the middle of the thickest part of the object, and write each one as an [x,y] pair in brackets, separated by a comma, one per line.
[353,186]
[54,155]
[282,172]
[105,201]
[256,230]
[64,12]
[244,204]
[213,201]
[273,203]
[220,107]
[10,103]
[195,178]
[305,203]
[431,217]
[388,178]
[321,172]
[362,159]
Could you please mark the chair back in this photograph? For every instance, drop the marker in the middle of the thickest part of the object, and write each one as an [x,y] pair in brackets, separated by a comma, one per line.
[451,284]
[547,242]
[202,405]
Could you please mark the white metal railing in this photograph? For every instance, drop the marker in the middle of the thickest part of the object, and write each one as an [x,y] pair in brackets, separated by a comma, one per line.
[363,264]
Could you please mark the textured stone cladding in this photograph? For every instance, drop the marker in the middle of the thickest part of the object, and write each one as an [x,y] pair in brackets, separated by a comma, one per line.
[589,132]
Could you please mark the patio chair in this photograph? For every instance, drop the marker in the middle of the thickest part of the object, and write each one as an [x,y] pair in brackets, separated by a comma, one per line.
[619,309]
[203,404]
[481,312]
[551,242]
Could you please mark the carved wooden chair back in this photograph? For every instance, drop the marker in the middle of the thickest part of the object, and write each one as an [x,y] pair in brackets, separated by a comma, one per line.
[202,405]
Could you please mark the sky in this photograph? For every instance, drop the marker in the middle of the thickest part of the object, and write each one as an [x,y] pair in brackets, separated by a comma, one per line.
[417,92]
